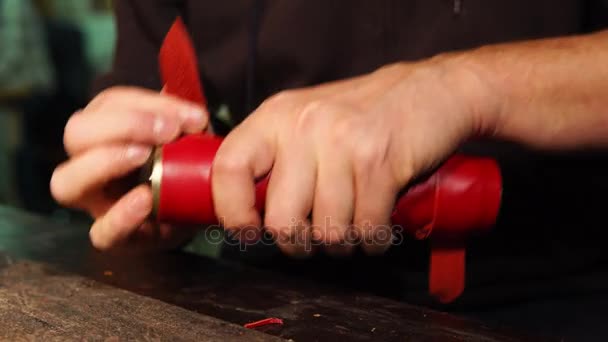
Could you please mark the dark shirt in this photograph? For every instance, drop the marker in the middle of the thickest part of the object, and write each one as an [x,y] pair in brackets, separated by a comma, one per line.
[250,49]
[547,242]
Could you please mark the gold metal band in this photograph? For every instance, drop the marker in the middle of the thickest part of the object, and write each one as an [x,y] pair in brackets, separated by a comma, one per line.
[156,179]
[152,174]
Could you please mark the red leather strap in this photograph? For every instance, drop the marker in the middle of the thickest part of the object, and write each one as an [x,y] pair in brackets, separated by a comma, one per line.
[185,192]
[447,270]
[179,67]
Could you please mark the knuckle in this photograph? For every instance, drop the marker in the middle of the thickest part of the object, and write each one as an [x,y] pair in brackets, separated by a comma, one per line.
[110,95]
[313,115]
[336,123]
[332,235]
[274,234]
[229,163]
[376,239]
[280,100]
[238,222]
[138,124]
[322,229]
[367,154]
[273,221]
[280,225]
[116,91]
[342,131]
[105,96]
[286,231]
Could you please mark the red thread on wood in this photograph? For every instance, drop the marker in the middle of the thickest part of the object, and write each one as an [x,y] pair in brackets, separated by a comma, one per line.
[263,322]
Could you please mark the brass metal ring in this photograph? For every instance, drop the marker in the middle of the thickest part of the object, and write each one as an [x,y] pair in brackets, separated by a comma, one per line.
[152,174]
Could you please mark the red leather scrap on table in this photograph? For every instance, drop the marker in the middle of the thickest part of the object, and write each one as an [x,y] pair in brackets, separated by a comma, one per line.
[264,322]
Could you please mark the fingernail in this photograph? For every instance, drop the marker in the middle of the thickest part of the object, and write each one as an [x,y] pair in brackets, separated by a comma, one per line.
[138,154]
[164,130]
[194,116]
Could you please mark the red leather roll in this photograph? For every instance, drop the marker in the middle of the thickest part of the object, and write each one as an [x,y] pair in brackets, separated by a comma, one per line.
[181,180]
[460,198]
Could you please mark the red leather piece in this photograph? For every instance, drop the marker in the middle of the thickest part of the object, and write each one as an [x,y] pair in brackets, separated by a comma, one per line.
[447,270]
[178,65]
[461,197]
[185,189]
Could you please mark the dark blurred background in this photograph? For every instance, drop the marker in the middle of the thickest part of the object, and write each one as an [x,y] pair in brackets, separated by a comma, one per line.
[50,51]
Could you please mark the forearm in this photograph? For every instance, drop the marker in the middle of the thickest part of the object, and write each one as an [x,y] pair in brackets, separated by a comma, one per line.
[549,94]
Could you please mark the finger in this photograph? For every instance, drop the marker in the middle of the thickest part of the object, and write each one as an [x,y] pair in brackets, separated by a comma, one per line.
[193,115]
[85,131]
[333,205]
[289,199]
[151,237]
[120,125]
[374,201]
[122,220]
[80,176]
[192,120]
[97,202]
[244,156]
[145,100]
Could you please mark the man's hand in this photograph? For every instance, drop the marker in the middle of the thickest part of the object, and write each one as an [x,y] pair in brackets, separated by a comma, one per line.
[341,152]
[112,137]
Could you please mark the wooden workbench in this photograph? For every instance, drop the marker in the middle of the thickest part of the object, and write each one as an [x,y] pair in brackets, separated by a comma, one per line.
[53,286]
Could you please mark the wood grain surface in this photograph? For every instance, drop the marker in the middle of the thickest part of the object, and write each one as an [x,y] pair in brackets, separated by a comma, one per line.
[54,286]
[39,303]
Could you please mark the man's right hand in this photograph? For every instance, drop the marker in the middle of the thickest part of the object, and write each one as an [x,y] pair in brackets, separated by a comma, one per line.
[112,137]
